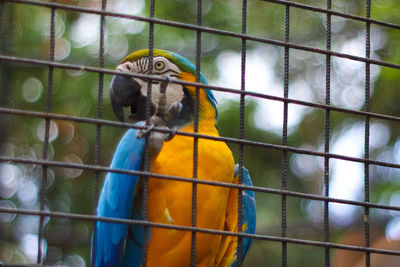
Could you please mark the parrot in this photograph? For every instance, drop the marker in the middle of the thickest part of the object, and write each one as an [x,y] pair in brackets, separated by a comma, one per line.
[169,201]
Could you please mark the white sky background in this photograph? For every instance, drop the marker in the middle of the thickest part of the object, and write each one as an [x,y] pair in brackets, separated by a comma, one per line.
[260,78]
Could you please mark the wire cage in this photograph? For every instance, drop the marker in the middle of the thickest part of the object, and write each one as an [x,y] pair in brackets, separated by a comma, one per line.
[308,104]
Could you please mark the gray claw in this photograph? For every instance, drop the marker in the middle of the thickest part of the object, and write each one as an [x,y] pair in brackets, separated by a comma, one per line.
[167,79]
[169,136]
[143,133]
[157,140]
[173,109]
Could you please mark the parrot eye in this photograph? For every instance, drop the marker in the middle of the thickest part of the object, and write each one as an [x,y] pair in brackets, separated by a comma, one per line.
[159,65]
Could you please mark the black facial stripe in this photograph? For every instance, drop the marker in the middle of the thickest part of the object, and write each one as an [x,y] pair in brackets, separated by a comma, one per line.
[139,63]
[143,65]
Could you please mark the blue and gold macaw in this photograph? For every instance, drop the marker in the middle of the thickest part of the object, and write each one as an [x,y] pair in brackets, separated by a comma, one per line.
[170,202]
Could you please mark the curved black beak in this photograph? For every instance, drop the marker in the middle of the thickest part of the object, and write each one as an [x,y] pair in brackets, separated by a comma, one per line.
[125,92]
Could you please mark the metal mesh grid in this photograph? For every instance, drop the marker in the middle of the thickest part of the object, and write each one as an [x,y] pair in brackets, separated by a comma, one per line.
[284,192]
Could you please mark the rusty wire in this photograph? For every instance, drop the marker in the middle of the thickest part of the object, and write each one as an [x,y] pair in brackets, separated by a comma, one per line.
[241,141]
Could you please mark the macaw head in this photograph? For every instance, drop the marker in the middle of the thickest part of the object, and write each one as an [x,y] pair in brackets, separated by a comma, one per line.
[127,91]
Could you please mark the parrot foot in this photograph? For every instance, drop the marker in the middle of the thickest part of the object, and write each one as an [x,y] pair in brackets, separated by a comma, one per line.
[169,136]
[145,132]
[160,119]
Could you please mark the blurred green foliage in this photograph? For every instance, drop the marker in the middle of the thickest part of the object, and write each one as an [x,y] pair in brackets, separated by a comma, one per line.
[24,86]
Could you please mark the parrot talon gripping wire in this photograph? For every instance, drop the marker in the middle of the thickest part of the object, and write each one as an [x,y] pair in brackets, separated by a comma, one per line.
[167,79]
[145,132]
[171,135]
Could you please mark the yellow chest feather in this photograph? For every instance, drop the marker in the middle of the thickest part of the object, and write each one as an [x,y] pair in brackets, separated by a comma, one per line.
[171,201]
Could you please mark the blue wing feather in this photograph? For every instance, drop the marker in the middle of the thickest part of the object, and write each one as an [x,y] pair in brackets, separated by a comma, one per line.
[134,243]
[116,201]
[249,212]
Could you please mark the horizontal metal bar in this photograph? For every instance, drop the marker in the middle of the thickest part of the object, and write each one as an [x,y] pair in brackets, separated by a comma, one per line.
[208,30]
[334,13]
[196,229]
[198,135]
[197,181]
[30,265]
[207,86]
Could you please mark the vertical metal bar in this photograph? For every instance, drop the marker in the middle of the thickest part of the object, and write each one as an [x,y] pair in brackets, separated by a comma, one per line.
[2,3]
[327,130]
[284,136]
[45,152]
[195,130]
[241,132]
[3,95]
[367,128]
[146,167]
[4,92]
[6,73]
[99,115]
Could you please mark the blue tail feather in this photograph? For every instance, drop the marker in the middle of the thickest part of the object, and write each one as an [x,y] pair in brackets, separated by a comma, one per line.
[249,211]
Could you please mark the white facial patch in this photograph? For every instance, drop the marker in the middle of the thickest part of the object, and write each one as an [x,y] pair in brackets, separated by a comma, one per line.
[174,91]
